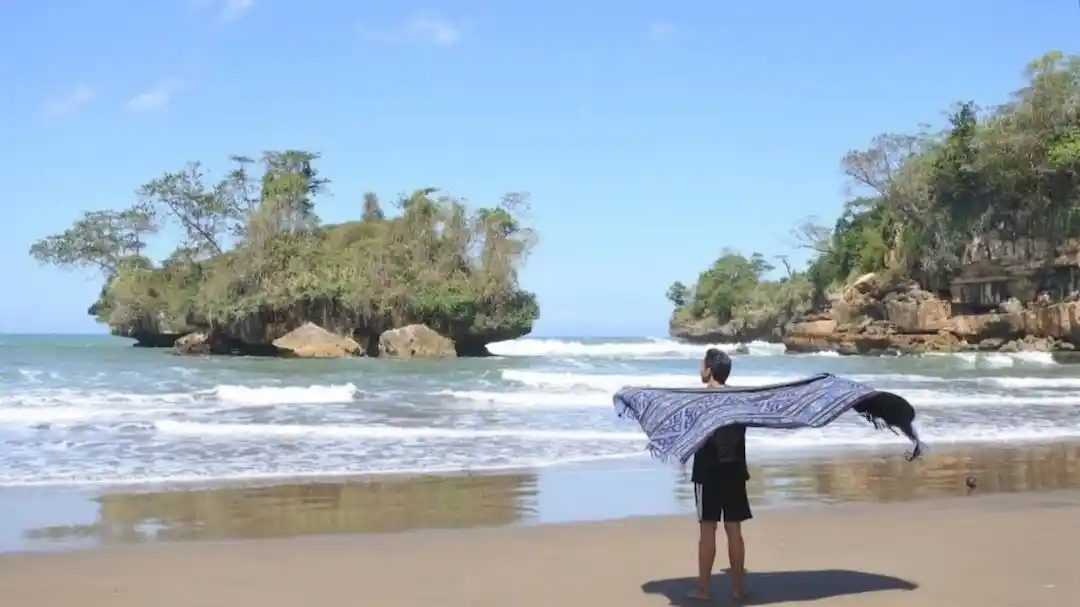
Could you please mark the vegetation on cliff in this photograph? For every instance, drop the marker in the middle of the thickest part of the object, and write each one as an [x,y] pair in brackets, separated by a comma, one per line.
[733,298]
[925,201]
[253,254]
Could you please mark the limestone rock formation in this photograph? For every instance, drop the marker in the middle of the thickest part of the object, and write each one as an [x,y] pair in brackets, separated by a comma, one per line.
[151,330]
[197,343]
[415,341]
[875,315]
[206,340]
[757,327]
[312,341]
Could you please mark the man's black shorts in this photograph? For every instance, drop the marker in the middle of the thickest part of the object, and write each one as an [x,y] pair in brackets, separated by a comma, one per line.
[723,499]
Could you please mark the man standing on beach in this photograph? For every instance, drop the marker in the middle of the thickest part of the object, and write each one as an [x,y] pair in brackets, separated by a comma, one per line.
[719,476]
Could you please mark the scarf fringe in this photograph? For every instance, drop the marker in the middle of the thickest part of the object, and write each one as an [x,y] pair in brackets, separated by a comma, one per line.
[906,429]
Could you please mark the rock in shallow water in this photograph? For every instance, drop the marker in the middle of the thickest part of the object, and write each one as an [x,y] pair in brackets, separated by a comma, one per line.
[312,341]
[415,341]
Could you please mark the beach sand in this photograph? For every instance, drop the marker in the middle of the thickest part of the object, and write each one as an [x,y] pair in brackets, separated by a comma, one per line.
[986,551]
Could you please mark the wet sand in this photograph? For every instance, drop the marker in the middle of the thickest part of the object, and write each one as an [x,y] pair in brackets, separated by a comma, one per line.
[58,519]
[999,550]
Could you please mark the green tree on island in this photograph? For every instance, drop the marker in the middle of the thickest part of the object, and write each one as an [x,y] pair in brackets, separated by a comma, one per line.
[253,256]
[926,202]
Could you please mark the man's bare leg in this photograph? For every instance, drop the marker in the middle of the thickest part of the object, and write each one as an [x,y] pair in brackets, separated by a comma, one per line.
[706,557]
[736,551]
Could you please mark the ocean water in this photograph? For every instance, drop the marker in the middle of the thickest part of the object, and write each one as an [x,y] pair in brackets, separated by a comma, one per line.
[77,410]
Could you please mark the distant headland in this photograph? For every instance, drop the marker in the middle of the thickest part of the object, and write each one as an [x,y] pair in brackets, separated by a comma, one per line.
[966,239]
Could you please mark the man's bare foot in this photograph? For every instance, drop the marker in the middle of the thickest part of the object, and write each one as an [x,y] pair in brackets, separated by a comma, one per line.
[699,595]
[739,596]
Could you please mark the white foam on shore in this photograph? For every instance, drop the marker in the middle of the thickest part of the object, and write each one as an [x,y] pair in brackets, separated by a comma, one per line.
[281,395]
[95,398]
[610,383]
[613,382]
[658,348]
[999,360]
[200,429]
[107,479]
[598,398]
[67,406]
[1032,382]
[234,394]
[644,349]
[51,415]
[562,389]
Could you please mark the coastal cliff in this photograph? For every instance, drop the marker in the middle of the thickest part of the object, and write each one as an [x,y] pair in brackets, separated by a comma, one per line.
[257,273]
[880,316]
[966,239]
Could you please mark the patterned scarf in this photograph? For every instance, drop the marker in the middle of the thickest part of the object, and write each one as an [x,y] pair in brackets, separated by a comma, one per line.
[678,421]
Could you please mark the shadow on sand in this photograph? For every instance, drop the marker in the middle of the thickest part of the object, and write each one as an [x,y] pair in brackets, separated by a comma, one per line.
[773,587]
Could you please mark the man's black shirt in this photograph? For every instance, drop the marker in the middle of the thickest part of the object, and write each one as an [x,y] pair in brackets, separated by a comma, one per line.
[722,458]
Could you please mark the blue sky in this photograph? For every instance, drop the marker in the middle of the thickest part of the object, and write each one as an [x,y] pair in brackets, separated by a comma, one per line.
[649,136]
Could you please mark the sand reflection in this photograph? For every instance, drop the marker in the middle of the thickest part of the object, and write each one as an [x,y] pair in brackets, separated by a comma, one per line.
[873,477]
[357,506]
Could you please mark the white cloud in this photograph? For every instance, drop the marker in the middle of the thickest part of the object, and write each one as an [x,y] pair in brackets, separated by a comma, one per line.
[231,10]
[660,31]
[69,103]
[156,98]
[426,28]
[226,10]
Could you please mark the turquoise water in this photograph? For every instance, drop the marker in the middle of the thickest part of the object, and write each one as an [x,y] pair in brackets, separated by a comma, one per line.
[78,410]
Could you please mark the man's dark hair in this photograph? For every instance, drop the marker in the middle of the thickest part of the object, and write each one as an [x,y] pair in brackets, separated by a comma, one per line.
[719,363]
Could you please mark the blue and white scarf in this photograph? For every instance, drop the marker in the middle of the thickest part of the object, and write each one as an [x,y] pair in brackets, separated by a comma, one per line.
[678,421]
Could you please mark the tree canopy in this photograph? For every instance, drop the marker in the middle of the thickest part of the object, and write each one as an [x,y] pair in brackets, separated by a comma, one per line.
[926,201]
[252,246]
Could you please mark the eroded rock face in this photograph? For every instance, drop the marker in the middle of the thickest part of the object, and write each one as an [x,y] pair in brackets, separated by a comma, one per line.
[197,343]
[917,312]
[264,327]
[312,341]
[256,333]
[757,327]
[811,335]
[874,316]
[204,341]
[873,338]
[415,341]
[150,330]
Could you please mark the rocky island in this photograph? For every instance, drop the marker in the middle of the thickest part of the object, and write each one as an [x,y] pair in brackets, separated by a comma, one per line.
[256,272]
[966,239]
